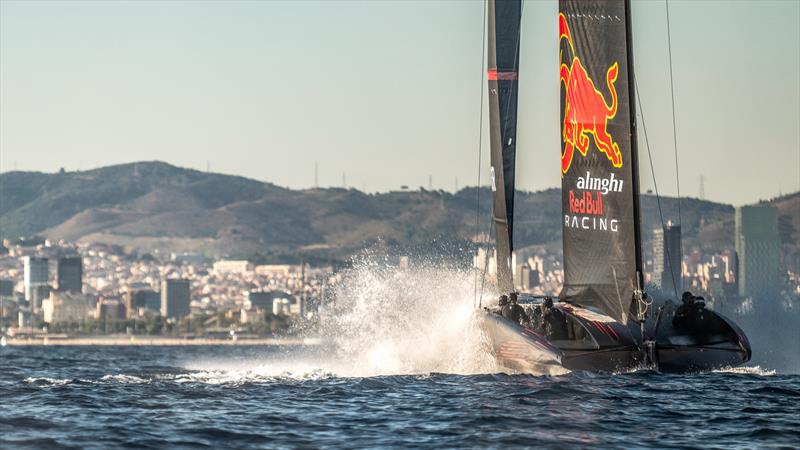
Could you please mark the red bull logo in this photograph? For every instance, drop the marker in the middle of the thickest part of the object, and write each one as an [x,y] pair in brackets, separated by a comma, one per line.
[585,108]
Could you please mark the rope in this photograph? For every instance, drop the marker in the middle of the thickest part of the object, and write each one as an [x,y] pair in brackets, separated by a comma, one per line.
[674,133]
[655,182]
[480,149]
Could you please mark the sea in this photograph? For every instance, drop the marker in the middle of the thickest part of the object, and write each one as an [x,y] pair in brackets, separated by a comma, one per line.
[398,364]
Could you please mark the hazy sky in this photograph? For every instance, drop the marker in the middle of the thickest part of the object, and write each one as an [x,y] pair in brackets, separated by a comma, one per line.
[387,91]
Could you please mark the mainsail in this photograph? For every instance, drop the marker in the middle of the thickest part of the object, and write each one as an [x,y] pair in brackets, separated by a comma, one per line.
[503,62]
[599,185]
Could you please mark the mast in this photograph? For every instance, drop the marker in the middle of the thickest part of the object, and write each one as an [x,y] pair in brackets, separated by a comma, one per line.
[637,212]
[503,61]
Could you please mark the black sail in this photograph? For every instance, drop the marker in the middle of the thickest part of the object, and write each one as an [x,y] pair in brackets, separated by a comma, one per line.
[503,62]
[599,185]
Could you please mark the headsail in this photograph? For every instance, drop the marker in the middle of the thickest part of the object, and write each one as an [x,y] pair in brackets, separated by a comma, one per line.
[599,185]
[503,63]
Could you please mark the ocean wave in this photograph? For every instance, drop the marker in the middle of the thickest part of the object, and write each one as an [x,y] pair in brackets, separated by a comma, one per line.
[748,370]
[46,381]
[211,377]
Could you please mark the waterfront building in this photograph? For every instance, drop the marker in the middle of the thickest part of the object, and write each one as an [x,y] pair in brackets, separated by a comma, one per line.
[69,274]
[667,265]
[258,305]
[175,298]
[37,273]
[8,301]
[24,319]
[67,306]
[758,247]
[110,309]
[38,295]
[259,300]
[139,301]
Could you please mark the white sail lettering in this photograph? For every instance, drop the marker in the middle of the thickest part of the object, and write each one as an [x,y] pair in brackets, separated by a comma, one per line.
[604,185]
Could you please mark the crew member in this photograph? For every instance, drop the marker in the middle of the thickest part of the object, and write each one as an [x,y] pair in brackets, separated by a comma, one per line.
[514,311]
[554,321]
[502,302]
[699,318]
[535,314]
[682,319]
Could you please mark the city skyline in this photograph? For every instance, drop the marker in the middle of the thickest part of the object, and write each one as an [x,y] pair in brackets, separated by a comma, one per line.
[313,92]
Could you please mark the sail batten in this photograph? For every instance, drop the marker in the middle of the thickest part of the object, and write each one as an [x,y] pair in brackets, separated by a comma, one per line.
[602,262]
[502,74]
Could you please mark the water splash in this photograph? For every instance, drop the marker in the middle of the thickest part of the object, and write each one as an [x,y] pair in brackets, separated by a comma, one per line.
[399,321]
[384,320]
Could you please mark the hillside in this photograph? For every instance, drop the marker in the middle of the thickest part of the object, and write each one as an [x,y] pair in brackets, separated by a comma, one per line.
[153,205]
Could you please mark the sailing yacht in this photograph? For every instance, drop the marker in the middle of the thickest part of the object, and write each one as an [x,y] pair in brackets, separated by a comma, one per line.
[609,324]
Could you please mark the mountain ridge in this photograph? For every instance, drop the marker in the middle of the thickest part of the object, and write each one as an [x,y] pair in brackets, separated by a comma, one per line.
[153,205]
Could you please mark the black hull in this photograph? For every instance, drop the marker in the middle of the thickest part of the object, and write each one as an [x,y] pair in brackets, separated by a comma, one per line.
[608,346]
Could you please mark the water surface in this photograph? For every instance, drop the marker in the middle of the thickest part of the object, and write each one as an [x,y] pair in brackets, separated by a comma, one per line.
[266,397]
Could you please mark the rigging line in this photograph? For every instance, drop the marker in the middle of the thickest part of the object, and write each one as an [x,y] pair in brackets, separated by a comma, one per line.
[674,129]
[480,148]
[655,184]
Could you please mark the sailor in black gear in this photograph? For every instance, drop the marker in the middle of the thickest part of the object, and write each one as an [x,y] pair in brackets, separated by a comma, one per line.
[698,316]
[682,319]
[536,318]
[554,321]
[503,301]
[515,312]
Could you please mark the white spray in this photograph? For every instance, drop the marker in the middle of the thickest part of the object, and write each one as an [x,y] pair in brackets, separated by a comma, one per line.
[384,320]
[389,321]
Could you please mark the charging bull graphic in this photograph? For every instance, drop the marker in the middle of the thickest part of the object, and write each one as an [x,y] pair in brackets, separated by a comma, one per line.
[585,108]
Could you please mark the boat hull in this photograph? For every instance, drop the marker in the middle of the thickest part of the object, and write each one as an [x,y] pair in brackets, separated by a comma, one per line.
[599,344]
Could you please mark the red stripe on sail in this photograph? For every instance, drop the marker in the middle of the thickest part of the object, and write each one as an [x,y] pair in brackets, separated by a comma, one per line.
[495,75]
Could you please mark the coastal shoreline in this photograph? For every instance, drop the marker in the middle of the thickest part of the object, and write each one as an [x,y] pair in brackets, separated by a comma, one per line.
[155,341]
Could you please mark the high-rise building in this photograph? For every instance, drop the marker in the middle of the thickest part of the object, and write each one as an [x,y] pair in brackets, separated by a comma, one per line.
[176,294]
[39,294]
[6,288]
[37,273]
[758,246]
[69,274]
[139,300]
[7,299]
[667,259]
